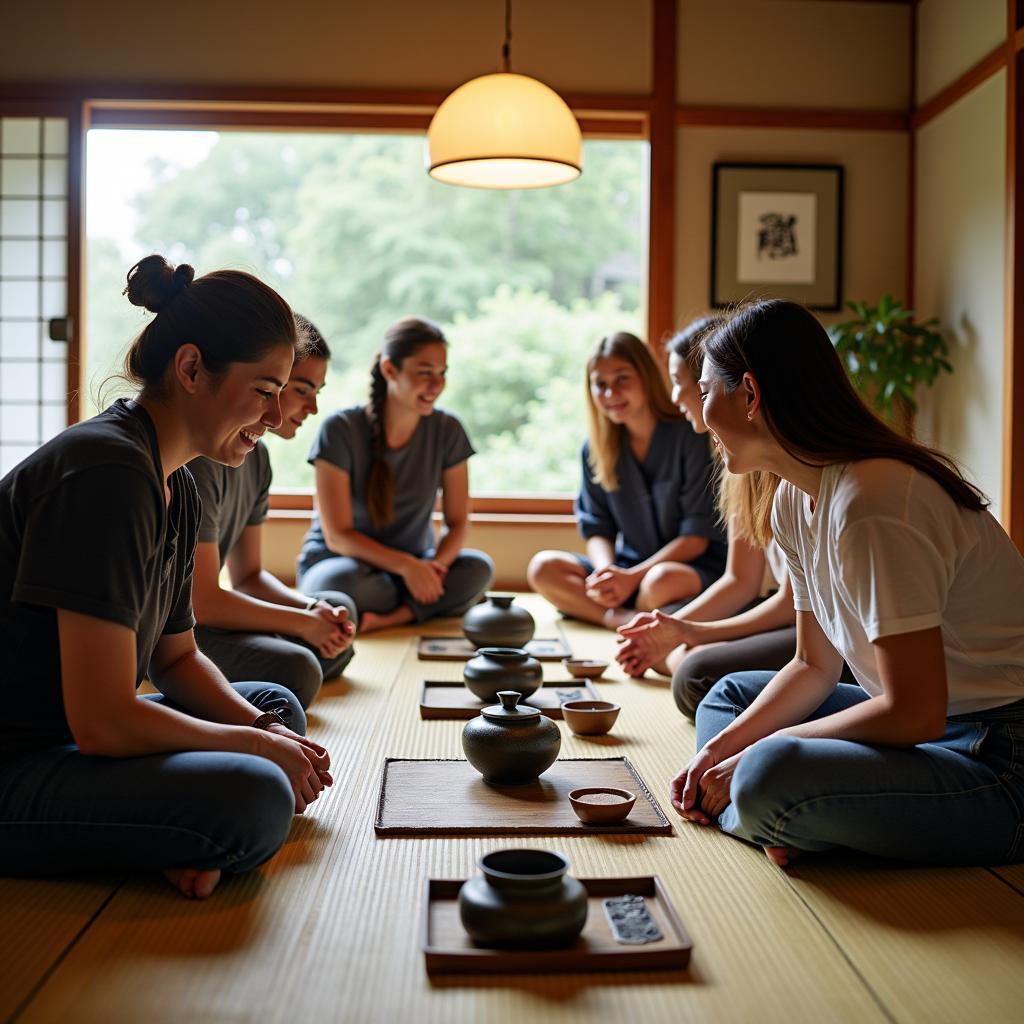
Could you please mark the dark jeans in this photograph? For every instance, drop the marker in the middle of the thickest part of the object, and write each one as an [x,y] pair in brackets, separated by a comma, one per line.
[956,800]
[62,812]
[699,671]
[374,590]
[281,659]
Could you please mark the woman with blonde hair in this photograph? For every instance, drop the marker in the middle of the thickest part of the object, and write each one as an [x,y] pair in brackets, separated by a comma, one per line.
[645,506]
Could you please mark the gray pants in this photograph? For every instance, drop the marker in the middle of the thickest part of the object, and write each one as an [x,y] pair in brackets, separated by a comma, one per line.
[374,590]
[280,659]
[62,811]
[700,671]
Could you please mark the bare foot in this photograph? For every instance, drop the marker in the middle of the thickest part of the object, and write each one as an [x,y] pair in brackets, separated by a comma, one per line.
[615,617]
[191,882]
[782,856]
[371,622]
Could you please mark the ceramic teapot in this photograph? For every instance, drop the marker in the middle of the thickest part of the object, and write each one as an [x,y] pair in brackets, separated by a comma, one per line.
[510,745]
[498,623]
[502,668]
[523,898]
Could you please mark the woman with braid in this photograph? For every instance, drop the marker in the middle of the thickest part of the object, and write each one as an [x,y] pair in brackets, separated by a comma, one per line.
[378,471]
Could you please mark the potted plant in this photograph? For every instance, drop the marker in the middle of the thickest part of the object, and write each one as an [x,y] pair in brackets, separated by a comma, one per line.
[888,356]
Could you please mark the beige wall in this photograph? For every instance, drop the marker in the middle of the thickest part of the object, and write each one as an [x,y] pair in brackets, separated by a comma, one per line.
[959,275]
[875,245]
[576,45]
[953,35]
[791,53]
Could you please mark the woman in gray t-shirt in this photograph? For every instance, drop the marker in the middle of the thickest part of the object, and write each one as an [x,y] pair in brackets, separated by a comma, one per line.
[378,471]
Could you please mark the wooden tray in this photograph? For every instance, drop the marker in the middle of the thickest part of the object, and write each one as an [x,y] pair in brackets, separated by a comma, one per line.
[458,648]
[433,797]
[452,700]
[448,949]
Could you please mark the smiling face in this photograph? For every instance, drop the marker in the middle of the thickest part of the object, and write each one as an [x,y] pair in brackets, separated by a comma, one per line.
[729,416]
[417,384]
[234,409]
[298,400]
[617,390]
[686,392]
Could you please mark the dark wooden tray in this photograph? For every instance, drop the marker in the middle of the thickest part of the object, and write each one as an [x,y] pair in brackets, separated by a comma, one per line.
[458,648]
[433,797]
[446,699]
[448,949]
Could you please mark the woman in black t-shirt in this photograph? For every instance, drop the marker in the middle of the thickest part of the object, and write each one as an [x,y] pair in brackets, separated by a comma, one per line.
[97,545]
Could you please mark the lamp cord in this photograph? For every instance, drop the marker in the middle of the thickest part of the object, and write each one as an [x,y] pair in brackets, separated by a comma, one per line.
[506,48]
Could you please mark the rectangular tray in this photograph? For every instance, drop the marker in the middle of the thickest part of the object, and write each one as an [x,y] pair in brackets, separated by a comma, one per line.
[448,949]
[435,797]
[452,700]
[458,648]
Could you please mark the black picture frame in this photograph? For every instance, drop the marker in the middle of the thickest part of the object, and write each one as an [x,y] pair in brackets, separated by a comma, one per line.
[807,269]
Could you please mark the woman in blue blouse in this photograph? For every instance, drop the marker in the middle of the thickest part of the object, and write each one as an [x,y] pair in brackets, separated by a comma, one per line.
[645,508]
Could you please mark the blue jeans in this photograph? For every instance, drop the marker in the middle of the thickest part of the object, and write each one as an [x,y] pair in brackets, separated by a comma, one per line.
[956,800]
[62,812]
[374,590]
[283,659]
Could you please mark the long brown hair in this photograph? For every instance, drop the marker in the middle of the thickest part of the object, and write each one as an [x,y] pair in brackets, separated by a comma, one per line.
[809,405]
[230,316]
[401,340]
[605,436]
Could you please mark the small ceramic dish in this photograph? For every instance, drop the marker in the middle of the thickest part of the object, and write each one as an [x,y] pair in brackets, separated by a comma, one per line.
[590,717]
[601,805]
[585,668]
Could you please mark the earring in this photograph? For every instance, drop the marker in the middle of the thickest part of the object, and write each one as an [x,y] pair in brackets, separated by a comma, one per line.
[750,415]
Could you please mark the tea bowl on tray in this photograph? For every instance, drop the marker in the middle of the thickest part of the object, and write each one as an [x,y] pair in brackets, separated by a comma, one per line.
[590,717]
[601,805]
[585,668]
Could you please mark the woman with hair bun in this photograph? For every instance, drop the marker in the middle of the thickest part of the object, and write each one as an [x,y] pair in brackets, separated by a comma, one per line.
[898,567]
[378,471]
[645,507]
[97,545]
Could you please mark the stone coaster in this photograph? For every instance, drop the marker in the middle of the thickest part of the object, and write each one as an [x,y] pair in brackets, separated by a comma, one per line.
[631,921]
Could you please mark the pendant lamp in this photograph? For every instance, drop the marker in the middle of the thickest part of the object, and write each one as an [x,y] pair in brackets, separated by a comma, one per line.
[504,131]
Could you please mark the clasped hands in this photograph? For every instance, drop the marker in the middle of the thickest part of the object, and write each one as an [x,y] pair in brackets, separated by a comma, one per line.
[611,586]
[306,763]
[425,579]
[329,630]
[700,792]
[648,638]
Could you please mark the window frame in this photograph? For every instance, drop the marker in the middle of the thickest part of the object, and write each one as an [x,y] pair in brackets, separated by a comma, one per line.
[600,117]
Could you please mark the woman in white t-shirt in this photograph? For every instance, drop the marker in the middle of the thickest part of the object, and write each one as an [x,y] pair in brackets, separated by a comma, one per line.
[897,567]
[727,628]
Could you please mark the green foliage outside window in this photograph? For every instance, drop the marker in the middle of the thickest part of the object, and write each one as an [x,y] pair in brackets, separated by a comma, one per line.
[354,234]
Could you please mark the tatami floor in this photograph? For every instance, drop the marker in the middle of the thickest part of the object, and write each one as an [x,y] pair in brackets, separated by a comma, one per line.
[329,930]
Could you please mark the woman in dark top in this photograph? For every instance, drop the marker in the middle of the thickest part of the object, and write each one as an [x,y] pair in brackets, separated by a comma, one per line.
[645,508]
[379,468]
[97,544]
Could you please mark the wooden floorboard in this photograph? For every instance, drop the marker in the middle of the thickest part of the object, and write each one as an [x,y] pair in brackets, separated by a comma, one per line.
[329,929]
[1012,875]
[935,944]
[39,921]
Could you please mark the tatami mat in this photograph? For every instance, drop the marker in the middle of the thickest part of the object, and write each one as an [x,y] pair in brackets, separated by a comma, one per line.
[329,930]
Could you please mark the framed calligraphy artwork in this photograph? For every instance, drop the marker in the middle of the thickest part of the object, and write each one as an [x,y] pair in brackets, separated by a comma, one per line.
[777,231]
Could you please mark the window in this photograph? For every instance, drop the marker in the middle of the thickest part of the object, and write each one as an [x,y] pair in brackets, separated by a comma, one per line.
[354,234]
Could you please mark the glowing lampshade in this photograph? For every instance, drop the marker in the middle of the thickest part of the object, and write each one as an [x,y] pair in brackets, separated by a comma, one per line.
[504,131]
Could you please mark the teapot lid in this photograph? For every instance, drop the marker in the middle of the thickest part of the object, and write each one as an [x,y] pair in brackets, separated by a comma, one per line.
[507,711]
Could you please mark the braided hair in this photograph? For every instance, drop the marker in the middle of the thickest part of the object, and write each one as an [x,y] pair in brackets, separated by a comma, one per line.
[401,340]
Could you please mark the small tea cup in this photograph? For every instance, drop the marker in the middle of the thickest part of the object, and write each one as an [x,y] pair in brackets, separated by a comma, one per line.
[585,668]
[590,717]
[601,805]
